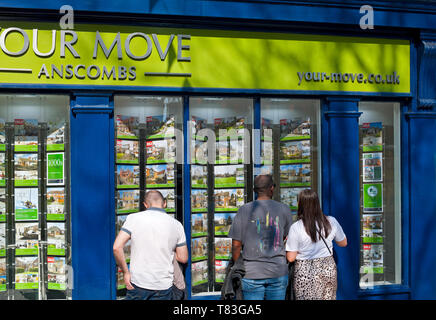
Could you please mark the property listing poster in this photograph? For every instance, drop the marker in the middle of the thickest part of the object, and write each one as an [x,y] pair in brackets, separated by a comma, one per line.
[373,197]
[2,135]
[27,235]
[220,270]
[2,239]
[373,258]
[2,205]
[26,273]
[55,203]
[127,127]
[127,151]
[372,216]
[199,271]
[26,169]
[56,241]
[3,280]
[198,224]
[55,169]
[56,137]
[56,273]
[26,203]
[26,135]
[2,169]
[372,137]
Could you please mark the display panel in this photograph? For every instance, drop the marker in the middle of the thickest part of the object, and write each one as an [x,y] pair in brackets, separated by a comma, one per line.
[34,195]
[220,162]
[380,182]
[289,147]
[147,131]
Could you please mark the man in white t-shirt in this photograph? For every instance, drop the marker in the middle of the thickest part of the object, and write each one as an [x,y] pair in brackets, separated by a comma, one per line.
[156,238]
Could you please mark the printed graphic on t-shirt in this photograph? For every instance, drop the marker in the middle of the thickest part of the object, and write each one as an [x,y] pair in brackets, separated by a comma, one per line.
[269,233]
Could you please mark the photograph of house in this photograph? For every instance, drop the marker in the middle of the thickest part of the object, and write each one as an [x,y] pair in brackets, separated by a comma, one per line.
[2,168]
[295,175]
[199,273]
[56,268]
[2,201]
[198,176]
[289,196]
[27,235]
[127,176]
[2,236]
[229,176]
[55,200]
[160,126]
[26,166]
[127,126]
[127,201]
[127,151]
[199,248]
[198,224]
[26,131]
[26,270]
[56,135]
[228,199]
[3,279]
[220,270]
[372,136]
[294,128]
[199,200]
[161,150]
[159,174]
[223,222]
[295,150]
[56,235]
[223,248]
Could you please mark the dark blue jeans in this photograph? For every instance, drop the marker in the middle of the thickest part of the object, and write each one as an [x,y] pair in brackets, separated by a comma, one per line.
[144,294]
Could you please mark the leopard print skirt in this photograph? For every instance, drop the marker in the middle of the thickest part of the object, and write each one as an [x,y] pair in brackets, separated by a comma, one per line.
[315,279]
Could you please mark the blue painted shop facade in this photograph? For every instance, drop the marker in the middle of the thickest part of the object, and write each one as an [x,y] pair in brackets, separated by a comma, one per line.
[389,254]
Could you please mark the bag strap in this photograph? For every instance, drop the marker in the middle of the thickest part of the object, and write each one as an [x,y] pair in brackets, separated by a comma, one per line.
[324,241]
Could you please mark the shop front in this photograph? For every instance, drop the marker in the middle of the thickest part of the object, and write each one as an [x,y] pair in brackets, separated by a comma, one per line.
[93,117]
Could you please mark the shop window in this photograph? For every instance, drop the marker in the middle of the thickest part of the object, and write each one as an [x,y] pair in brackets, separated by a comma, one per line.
[35,233]
[220,154]
[289,147]
[380,189]
[148,155]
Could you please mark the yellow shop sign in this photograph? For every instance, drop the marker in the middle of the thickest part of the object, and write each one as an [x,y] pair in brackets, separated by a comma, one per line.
[105,55]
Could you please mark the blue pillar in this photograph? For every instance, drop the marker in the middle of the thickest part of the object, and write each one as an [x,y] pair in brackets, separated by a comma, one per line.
[422,126]
[92,197]
[341,194]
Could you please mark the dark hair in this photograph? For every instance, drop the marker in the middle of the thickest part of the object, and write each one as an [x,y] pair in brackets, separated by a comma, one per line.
[309,211]
[262,183]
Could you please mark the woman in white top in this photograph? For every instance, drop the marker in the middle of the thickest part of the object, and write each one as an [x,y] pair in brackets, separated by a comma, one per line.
[310,244]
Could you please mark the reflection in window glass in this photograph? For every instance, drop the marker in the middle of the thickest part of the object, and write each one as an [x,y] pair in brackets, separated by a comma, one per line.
[149,149]
[380,259]
[290,147]
[220,137]
[34,197]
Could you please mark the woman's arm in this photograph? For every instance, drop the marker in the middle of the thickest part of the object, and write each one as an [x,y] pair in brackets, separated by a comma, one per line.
[291,255]
[342,243]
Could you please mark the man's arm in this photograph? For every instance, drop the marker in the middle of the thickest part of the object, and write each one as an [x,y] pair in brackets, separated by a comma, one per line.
[182,254]
[118,249]
[236,249]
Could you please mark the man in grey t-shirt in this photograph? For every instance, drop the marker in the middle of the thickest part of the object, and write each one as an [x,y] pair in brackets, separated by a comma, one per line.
[259,230]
